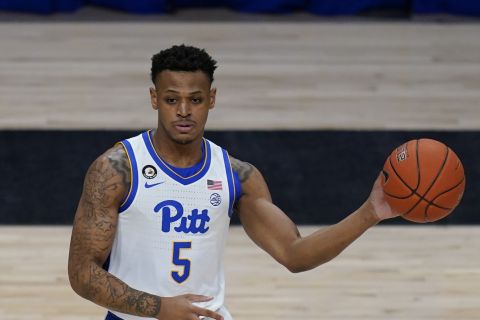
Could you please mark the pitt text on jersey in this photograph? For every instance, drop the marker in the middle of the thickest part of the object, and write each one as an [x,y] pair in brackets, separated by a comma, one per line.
[194,223]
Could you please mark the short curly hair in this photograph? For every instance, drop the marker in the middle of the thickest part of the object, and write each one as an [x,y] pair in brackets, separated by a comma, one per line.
[183,58]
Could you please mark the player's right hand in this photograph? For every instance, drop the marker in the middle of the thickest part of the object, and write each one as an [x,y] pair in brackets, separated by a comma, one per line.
[182,308]
[378,203]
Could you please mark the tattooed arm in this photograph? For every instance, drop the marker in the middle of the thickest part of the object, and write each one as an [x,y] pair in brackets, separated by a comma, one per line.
[106,184]
[271,229]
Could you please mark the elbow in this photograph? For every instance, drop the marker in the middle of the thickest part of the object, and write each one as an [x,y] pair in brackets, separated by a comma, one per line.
[296,268]
[302,266]
[77,282]
[296,263]
[80,287]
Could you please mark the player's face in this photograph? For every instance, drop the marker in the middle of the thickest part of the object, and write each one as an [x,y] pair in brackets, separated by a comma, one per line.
[182,100]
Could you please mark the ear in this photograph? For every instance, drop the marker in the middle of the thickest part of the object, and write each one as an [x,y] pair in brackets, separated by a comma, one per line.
[213,95]
[153,98]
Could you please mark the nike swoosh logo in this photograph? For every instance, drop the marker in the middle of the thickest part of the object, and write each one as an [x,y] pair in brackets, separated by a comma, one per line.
[152,185]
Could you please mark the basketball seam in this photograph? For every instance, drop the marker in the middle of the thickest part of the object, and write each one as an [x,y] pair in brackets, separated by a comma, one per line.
[430,203]
[397,197]
[421,198]
[430,187]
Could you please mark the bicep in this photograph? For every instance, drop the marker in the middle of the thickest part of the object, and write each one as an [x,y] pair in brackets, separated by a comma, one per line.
[96,217]
[266,224]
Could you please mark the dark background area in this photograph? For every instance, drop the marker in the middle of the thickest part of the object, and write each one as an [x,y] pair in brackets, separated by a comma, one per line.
[316,177]
[318,7]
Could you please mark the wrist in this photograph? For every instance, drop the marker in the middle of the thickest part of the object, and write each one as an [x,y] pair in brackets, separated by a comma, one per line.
[368,213]
[159,308]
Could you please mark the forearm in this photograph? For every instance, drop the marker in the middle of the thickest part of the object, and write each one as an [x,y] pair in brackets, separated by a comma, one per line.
[97,285]
[325,244]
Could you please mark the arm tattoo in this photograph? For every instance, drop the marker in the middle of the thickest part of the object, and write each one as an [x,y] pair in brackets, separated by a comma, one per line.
[243,169]
[106,183]
[119,160]
[115,294]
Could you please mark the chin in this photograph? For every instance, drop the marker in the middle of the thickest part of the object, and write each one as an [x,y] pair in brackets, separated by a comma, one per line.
[183,140]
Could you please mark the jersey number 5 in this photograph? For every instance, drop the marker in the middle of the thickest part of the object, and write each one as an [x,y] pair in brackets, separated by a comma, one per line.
[176,260]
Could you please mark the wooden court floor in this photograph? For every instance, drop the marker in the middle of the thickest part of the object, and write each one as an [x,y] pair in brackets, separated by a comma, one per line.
[293,75]
[416,273]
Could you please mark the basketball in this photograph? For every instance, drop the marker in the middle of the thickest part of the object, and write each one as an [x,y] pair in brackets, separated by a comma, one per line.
[423,180]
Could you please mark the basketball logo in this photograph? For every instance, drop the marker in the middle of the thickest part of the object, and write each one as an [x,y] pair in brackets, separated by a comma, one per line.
[149,172]
[402,153]
[215,199]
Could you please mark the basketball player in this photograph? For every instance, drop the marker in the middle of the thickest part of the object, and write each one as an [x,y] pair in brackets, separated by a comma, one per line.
[151,225]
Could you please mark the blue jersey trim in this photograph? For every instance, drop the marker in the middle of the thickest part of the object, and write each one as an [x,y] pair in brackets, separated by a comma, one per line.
[169,171]
[134,174]
[231,185]
[238,186]
[186,172]
[111,316]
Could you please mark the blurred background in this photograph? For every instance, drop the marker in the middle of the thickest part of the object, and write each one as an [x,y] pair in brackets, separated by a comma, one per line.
[315,93]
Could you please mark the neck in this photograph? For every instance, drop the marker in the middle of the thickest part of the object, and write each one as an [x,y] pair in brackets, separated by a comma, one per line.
[176,154]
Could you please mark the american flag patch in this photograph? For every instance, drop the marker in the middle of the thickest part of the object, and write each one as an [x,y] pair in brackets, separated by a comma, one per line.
[214,185]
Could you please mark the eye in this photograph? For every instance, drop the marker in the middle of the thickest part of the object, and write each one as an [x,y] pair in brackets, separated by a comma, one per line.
[196,100]
[171,100]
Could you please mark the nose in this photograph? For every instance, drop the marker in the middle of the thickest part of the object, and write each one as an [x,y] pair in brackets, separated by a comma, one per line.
[183,109]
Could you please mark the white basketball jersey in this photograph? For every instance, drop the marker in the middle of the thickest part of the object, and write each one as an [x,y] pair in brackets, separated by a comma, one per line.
[171,229]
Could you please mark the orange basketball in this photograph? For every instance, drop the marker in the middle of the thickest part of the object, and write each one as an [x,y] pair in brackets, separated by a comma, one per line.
[423,180]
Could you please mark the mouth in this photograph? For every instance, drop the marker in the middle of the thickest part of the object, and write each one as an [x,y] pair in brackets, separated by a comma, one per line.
[184,127]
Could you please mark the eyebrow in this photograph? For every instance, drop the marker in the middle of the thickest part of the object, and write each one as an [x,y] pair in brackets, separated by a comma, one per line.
[191,93]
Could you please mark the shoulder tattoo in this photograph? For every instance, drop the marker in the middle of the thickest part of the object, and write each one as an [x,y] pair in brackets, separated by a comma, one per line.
[118,159]
[107,179]
[242,168]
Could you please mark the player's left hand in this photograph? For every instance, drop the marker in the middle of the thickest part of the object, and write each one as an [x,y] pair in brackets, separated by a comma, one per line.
[182,308]
[378,203]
